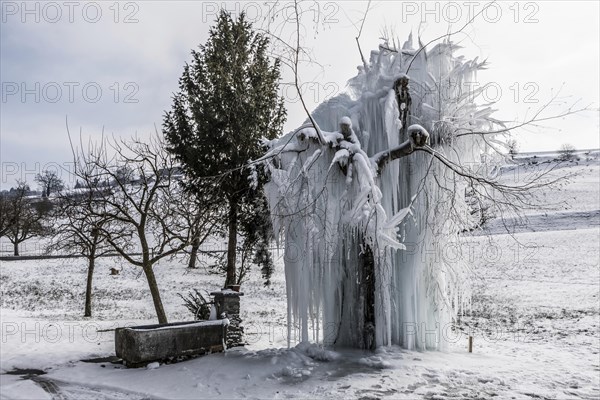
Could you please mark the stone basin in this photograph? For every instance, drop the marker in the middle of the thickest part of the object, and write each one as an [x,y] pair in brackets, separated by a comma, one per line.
[139,345]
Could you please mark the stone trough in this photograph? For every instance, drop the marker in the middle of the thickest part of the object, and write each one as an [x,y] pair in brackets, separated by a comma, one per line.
[139,345]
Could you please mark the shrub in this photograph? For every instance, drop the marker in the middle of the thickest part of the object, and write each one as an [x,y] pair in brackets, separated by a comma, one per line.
[197,305]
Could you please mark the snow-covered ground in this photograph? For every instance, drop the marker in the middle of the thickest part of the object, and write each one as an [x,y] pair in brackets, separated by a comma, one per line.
[535,320]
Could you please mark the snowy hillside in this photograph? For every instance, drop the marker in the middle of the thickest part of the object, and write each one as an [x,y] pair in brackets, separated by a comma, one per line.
[534,318]
[574,204]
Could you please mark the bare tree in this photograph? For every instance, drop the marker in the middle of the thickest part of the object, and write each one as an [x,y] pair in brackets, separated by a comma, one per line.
[566,152]
[148,216]
[78,230]
[49,182]
[513,148]
[4,215]
[202,221]
[22,218]
[123,175]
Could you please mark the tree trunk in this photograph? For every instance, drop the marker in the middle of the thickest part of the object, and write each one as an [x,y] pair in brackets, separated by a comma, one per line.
[88,286]
[368,292]
[16,248]
[158,306]
[232,244]
[194,252]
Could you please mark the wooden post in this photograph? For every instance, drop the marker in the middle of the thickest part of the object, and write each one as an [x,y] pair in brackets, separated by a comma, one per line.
[470,344]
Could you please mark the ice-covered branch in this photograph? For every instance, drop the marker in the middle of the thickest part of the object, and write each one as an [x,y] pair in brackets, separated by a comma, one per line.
[418,137]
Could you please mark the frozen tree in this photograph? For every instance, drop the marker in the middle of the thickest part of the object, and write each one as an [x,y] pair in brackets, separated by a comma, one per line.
[370,189]
[227,100]
[49,182]
[379,180]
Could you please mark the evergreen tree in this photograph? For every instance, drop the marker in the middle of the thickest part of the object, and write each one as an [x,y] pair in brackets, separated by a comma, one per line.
[227,101]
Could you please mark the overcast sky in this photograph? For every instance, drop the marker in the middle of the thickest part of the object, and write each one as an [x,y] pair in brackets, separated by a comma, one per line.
[115,65]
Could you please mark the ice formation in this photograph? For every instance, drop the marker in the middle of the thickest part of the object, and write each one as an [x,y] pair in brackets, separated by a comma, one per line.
[369,254]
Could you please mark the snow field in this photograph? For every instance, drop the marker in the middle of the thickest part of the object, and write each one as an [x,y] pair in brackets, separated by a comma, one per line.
[535,319]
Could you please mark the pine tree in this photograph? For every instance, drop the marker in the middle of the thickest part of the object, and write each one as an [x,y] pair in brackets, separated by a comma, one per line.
[227,101]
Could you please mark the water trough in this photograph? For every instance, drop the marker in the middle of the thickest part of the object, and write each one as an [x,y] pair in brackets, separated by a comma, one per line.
[140,345]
